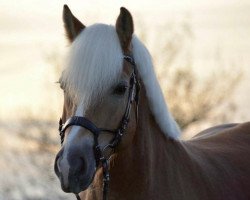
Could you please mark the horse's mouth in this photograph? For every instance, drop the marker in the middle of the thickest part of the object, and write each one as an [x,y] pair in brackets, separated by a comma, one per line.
[76,183]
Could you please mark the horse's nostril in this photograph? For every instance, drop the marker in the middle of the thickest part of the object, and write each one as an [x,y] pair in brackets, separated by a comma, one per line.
[83,166]
[79,166]
[56,163]
[77,170]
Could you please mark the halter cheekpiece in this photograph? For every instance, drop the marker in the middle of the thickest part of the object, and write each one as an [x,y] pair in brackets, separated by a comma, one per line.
[133,96]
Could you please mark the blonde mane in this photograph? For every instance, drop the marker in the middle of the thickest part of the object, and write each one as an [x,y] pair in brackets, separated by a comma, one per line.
[95,63]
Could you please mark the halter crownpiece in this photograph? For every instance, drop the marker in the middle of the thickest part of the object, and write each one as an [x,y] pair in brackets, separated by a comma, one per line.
[133,96]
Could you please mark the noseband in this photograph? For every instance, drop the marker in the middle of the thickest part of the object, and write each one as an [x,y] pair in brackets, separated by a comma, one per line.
[133,96]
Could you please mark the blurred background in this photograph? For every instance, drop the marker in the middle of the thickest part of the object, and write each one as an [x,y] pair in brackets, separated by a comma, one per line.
[201,52]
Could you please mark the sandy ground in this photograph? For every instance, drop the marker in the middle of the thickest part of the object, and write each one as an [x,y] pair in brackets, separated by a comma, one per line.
[26,163]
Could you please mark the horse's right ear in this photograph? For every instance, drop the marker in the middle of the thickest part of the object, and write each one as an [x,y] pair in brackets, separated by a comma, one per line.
[71,24]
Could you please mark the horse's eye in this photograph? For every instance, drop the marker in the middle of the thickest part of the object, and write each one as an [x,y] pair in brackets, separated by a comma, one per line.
[120,89]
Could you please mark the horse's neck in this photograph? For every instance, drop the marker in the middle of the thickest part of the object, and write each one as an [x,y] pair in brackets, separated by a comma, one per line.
[156,167]
[147,162]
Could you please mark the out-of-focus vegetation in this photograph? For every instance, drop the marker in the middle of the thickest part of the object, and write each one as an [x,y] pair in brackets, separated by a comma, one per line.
[192,97]
[192,101]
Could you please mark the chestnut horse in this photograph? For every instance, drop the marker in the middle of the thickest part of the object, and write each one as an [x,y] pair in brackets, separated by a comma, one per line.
[139,150]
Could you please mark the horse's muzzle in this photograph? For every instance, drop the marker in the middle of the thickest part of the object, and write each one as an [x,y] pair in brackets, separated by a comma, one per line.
[75,172]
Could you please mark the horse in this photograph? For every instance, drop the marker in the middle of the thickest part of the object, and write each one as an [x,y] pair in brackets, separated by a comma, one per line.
[109,81]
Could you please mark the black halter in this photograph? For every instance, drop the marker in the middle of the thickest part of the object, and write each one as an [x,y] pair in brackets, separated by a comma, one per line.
[133,96]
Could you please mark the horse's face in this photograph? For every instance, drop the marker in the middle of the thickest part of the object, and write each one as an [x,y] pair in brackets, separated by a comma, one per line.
[75,164]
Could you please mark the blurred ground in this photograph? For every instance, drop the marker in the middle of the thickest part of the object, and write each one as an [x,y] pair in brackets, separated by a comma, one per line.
[26,162]
[32,42]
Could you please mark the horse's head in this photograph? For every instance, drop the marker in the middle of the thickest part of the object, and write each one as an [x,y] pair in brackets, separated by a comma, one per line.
[99,87]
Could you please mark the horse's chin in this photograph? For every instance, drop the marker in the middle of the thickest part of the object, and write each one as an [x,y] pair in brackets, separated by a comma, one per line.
[78,183]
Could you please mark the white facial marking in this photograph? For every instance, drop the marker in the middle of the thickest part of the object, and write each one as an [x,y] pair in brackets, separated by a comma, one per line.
[64,165]
[75,129]
[63,168]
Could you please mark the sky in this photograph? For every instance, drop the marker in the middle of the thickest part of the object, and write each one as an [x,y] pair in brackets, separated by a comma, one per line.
[32,30]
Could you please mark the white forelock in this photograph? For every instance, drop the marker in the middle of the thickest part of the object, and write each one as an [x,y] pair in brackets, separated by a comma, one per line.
[95,63]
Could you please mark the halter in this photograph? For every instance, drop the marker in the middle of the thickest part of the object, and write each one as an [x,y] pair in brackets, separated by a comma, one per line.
[133,96]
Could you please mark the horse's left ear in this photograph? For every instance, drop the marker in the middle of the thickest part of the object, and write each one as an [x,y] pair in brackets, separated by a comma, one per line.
[125,29]
[72,25]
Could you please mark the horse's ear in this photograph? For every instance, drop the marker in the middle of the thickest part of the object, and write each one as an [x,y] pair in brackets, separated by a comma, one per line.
[71,24]
[125,29]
